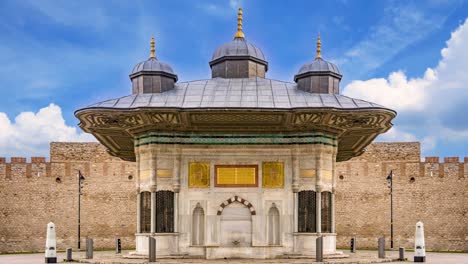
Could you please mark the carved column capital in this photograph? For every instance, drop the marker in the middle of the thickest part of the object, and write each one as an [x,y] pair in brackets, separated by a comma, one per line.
[295,187]
[318,188]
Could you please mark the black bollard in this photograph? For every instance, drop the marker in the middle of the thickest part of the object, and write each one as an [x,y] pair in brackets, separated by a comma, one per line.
[89,248]
[319,249]
[69,254]
[152,249]
[401,252]
[382,247]
[118,246]
[353,245]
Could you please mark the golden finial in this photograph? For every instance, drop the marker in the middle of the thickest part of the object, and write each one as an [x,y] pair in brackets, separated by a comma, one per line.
[239,33]
[153,54]
[319,48]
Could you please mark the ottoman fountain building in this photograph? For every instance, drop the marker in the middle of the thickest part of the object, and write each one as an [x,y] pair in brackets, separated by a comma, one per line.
[237,165]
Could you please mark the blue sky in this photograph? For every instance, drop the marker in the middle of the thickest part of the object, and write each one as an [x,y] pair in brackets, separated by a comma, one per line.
[58,56]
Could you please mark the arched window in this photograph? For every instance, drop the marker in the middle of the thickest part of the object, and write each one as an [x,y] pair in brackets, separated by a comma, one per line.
[306,215]
[145,212]
[164,212]
[326,212]
[273,226]
[198,226]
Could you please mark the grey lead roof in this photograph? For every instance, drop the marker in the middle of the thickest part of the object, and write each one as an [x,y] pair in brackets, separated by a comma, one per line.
[152,64]
[319,65]
[236,93]
[238,47]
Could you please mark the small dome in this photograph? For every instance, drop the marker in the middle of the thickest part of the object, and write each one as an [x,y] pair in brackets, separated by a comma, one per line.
[319,65]
[152,76]
[152,65]
[238,47]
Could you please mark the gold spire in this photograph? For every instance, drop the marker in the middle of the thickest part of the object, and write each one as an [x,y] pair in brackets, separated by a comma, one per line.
[239,33]
[319,48]
[153,54]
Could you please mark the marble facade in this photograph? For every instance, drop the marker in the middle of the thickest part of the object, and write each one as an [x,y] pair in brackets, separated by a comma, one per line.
[250,227]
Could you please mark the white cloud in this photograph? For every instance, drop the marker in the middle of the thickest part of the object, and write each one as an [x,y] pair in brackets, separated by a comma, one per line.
[431,106]
[399,27]
[400,93]
[396,135]
[31,133]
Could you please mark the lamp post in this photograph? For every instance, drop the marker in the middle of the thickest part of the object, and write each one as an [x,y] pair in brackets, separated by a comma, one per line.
[81,179]
[390,185]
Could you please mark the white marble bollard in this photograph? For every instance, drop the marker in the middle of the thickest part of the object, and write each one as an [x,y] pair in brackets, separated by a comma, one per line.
[51,250]
[419,245]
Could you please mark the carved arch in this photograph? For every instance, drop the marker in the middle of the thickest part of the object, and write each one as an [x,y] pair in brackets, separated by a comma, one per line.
[236,199]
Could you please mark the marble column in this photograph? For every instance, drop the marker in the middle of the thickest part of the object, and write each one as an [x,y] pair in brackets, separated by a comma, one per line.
[295,186]
[318,190]
[332,205]
[138,213]
[153,188]
[176,186]
[153,211]
[318,209]
[176,212]
[296,211]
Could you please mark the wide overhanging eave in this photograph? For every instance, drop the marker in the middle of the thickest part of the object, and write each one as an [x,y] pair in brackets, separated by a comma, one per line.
[116,128]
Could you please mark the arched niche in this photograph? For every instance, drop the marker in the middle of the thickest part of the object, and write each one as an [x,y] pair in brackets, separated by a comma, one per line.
[198,226]
[273,226]
[236,225]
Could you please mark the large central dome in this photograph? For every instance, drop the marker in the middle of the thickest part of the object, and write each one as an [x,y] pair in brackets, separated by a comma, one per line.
[237,49]
[238,58]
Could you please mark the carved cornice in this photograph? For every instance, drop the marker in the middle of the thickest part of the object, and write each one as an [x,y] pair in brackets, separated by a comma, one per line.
[117,129]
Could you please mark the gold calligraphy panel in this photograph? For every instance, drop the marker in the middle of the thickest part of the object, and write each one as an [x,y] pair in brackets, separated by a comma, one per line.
[310,173]
[273,174]
[199,175]
[164,173]
[236,175]
[144,175]
[327,176]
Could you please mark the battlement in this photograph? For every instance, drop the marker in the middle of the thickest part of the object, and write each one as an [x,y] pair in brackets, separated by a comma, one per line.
[446,160]
[23,160]
[66,160]
[19,168]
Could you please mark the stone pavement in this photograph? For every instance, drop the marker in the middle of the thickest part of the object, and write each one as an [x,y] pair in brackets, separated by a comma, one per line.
[111,258]
[362,256]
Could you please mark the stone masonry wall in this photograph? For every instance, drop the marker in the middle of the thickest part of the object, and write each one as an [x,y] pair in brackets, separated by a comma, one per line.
[430,191]
[36,192]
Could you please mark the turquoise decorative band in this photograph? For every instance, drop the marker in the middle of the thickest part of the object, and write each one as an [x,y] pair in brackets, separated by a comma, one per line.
[205,139]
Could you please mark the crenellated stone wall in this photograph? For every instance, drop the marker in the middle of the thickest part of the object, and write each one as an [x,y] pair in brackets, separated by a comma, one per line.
[34,192]
[429,191]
